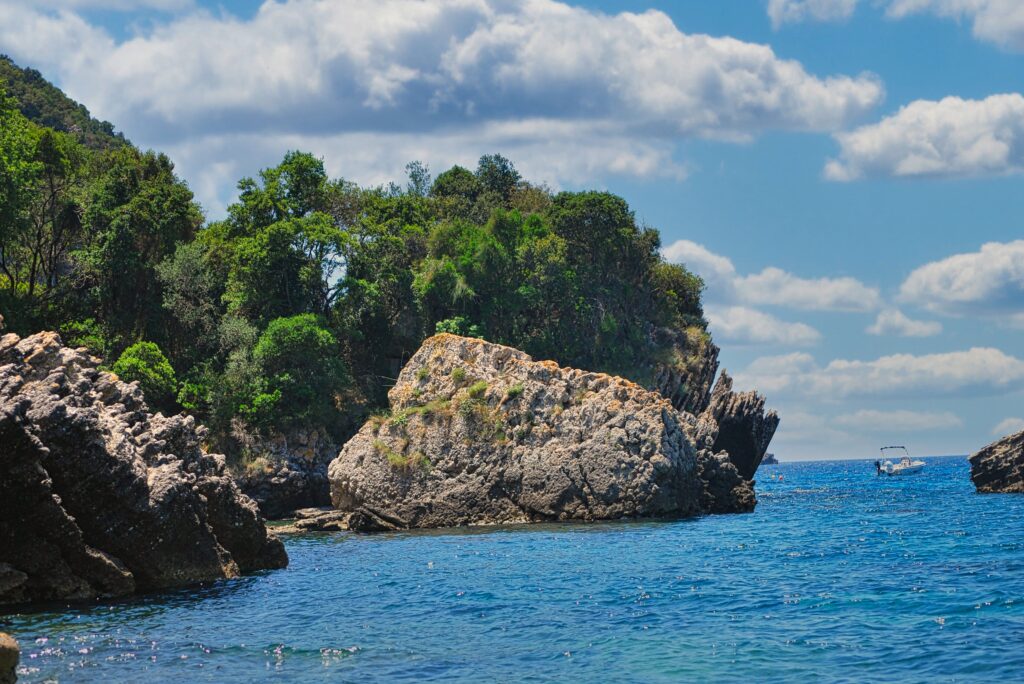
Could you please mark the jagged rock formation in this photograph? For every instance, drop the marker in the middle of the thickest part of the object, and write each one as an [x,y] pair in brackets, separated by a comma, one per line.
[9,656]
[98,497]
[744,428]
[687,385]
[480,433]
[289,473]
[999,467]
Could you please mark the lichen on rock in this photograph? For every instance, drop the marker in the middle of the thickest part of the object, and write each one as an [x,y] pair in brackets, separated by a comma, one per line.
[99,497]
[480,433]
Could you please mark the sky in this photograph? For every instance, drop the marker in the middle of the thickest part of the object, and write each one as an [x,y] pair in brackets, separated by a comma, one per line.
[846,175]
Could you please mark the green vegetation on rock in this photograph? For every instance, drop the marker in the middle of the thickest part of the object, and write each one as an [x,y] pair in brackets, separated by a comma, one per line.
[299,308]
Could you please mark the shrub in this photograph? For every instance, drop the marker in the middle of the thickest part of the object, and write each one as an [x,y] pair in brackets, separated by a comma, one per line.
[477,389]
[458,374]
[143,362]
[422,374]
[459,325]
[515,390]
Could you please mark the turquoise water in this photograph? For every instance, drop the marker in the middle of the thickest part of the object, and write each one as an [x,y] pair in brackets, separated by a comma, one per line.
[838,576]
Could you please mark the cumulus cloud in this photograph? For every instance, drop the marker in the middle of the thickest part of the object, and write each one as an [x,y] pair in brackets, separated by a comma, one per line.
[989,282]
[777,287]
[793,11]
[1008,426]
[895,322]
[949,138]
[979,371]
[995,21]
[771,286]
[457,68]
[742,325]
[898,421]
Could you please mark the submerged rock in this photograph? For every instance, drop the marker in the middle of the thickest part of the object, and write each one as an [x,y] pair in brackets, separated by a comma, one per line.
[480,433]
[98,497]
[999,467]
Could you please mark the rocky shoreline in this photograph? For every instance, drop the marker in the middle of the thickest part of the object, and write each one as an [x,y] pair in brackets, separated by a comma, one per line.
[101,498]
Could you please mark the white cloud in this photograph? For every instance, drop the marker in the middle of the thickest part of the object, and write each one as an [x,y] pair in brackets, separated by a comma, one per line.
[741,325]
[981,371]
[1008,426]
[772,286]
[777,287]
[455,69]
[895,322]
[949,138]
[898,421]
[718,271]
[989,282]
[995,21]
[793,11]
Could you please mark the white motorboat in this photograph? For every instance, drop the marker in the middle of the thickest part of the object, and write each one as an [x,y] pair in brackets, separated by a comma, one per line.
[905,466]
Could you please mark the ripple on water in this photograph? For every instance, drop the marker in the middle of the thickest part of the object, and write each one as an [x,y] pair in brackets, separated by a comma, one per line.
[838,576]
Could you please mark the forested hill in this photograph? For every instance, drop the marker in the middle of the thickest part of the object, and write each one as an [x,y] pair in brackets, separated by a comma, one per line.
[43,103]
[298,310]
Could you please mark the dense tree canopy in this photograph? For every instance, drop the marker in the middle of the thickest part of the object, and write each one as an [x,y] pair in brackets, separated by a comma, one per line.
[300,307]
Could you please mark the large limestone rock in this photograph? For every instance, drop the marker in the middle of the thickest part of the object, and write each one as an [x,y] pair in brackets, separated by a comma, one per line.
[98,497]
[480,433]
[999,467]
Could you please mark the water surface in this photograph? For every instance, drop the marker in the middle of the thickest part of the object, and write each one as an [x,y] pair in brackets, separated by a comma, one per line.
[838,576]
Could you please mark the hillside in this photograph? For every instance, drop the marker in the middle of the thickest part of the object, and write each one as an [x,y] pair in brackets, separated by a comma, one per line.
[43,103]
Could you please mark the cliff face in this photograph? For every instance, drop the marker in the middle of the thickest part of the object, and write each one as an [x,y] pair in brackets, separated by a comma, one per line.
[98,497]
[481,433]
[999,467]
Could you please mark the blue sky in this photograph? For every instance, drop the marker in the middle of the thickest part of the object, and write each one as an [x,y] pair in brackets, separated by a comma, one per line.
[845,174]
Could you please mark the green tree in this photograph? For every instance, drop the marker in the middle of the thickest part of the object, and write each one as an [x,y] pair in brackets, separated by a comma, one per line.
[143,362]
[304,374]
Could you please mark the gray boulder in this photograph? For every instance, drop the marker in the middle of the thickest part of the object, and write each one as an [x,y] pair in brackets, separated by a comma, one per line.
[479,433]
[99,497]
[999,467]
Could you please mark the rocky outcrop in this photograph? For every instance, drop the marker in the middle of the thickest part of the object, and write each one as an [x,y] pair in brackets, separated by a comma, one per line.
[745,429]
[999,467]
[288,472]
[9,656]
[98,497]
[480,433]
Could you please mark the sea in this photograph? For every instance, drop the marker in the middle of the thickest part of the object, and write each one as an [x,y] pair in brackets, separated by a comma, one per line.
[839,576]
